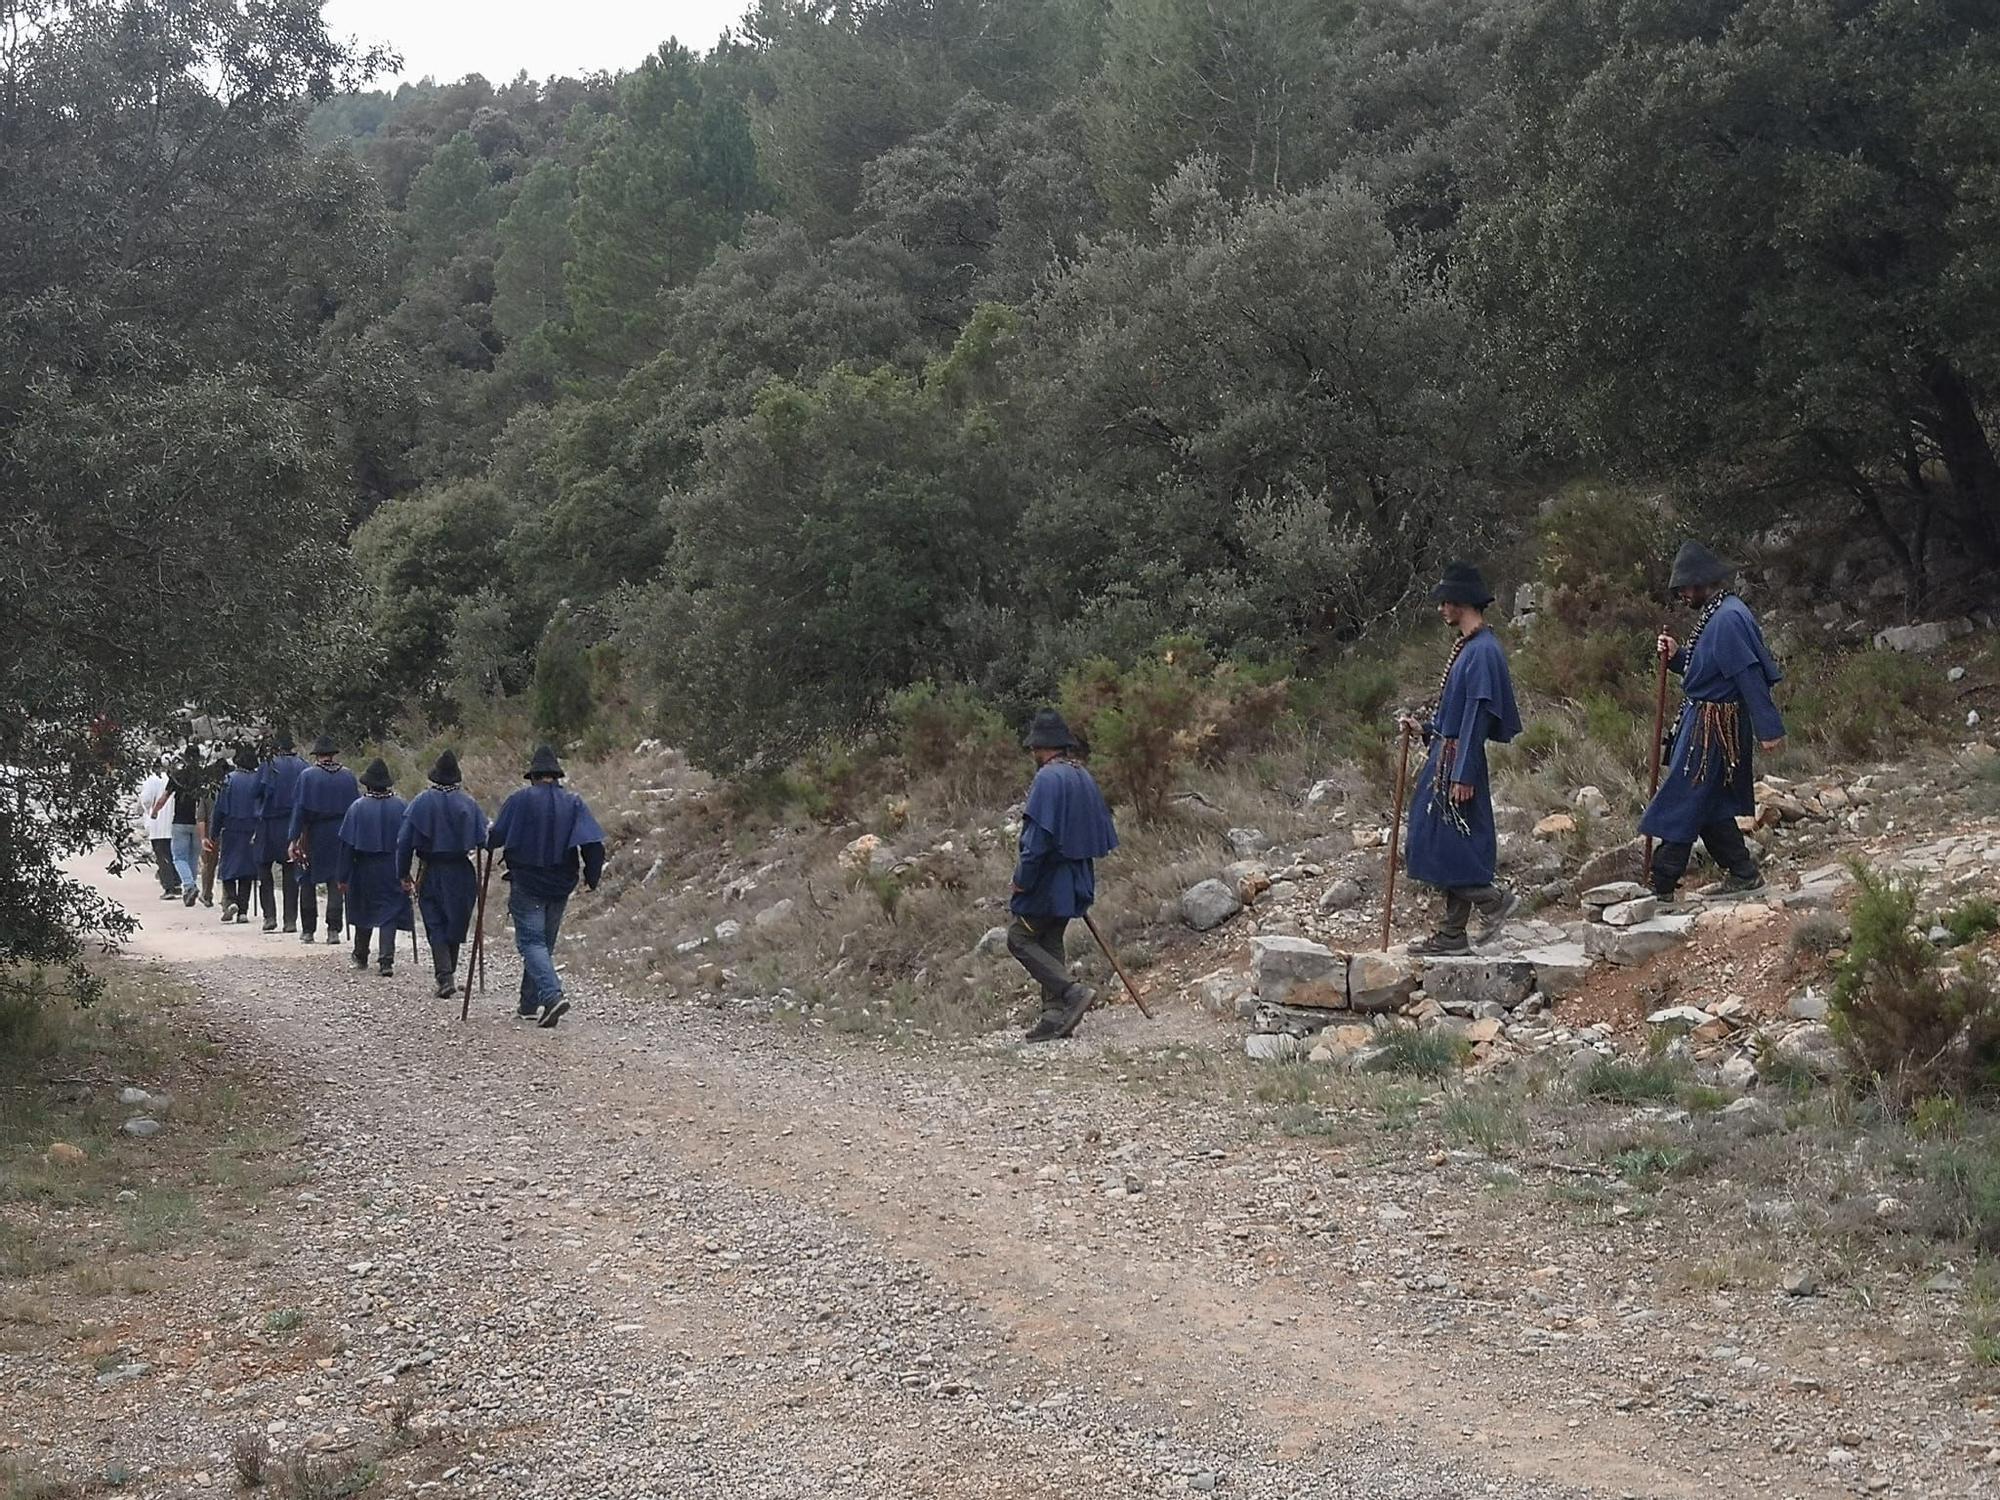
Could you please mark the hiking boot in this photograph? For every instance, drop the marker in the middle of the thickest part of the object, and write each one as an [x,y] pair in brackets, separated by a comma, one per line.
[172,895]
[243,920]
[1491,922]
[307,936]
[1077,999]
[208,901]
[188,898]
[294,927]
[1440,945]
[1734,885]
[1047,1028]
[446,989]
[547,1016]
[269,925]
[385,970]
[360,960]
[332,938]
[229,912]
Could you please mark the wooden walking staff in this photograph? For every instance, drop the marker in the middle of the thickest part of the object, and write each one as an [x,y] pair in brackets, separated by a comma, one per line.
[1131,988]
[1659,728]
[478,937]
[1396,836]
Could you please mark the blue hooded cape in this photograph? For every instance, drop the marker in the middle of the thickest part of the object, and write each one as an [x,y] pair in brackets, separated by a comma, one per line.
[278,793]
[236,828]
[1731,665]
[1477,706]
[323,800]
[367,863]
[443,826]
[1065,828]
[542,827]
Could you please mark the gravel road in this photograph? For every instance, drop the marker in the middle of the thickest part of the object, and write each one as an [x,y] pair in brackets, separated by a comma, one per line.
[665,1250]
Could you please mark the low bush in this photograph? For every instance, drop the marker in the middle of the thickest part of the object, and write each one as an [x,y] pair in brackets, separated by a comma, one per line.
[1855,704]
[1913,1027]
[1628,1081]
[1971,919]
[1421,1054]
[1177,707]
[954,736]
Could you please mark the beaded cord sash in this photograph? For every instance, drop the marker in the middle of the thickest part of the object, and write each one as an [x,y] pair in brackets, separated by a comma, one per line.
[1717,726]
[1441,805]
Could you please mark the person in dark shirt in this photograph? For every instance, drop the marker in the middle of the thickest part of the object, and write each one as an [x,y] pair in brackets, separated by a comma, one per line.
[546,831]
[184,790]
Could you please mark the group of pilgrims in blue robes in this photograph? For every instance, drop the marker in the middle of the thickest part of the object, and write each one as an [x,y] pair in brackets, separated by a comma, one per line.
[382,861]
[1727,673]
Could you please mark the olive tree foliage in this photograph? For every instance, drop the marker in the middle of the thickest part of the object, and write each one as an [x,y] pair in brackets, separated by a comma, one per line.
[170,247]
[1759,233]
[1263,422]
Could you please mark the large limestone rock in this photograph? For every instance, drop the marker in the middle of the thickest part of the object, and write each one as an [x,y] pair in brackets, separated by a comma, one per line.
[1919,638]
[1560,968]
[1626,862]
[1475,981]
[1634,945]
[1813,1048]
[1297,971]
[1271,1046]
[1381,981]
[1208,905]
[1632,913]
[1613,893]
[1226,992]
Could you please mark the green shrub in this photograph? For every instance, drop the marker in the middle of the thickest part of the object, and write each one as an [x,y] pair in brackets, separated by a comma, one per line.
[1861,703]
[1967,1172]
[1914,1028]
[1972,918]
[1176,707]
[828,782]
[954,736]
[1818,935]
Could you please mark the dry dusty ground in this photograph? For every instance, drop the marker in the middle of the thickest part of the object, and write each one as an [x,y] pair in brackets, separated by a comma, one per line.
[667,1251]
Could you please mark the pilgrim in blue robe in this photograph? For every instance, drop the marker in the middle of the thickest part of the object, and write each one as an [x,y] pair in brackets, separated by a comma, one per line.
[367,864]
[278,789]
[543,828]
[1730,665]
[323,800]
[1477,705]
[1065,828]
[442,828]
[236,828]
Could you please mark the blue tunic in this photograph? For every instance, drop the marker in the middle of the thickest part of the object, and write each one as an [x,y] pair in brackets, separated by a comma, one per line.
[1731,665]
[1477,705]
[367,863]
[1065,828]
[543,827]
[323,800]
[278,787]
[444,825]
[236,828]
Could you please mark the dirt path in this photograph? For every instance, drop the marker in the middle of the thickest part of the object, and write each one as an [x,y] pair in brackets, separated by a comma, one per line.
[664,1251]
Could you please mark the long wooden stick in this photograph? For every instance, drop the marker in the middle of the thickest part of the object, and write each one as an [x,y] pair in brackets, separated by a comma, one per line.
[1131,988]
[478,932]
[1659,728]
[1396,836]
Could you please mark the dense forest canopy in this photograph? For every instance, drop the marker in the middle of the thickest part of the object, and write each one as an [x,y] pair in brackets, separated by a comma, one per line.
[946,340]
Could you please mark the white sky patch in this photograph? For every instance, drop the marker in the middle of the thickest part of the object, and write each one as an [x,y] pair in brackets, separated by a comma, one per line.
[447,39]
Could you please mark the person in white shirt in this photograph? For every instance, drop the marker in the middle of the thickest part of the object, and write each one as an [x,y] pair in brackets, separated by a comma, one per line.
[156,817]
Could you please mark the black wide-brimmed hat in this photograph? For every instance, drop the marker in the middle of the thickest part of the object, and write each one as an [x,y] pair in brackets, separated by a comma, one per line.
[285,745]
[324,745]
[1696,567]
[245,758]
[1462,584]
[544,764]
[1050,732]
[376,777]
[445,772]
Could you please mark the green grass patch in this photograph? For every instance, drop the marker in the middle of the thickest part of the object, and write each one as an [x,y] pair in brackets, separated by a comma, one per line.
[1484,1118]
[1628,1081]
[1436,1054]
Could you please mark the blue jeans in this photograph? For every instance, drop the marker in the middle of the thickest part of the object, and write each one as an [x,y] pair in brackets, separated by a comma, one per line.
[537,924]
[186,850]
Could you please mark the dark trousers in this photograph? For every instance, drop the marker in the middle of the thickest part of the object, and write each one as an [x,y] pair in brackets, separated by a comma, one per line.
[208,863]
[1460,901]
[1037,945]
[163,860]
[1725,844]
[336,905]
[237,894]
[267,892]
[444,961]
[388,949]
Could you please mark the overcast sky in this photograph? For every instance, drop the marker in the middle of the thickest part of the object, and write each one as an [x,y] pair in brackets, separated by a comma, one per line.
[449,38]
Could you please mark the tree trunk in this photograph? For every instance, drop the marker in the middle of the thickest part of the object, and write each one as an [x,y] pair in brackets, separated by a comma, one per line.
[1968,457]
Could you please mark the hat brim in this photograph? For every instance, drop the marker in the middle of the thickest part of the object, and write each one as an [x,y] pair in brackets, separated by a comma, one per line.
[1449,593]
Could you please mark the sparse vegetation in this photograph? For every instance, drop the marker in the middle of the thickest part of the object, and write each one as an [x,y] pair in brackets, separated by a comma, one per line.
[1633,1081]
[1433,1054]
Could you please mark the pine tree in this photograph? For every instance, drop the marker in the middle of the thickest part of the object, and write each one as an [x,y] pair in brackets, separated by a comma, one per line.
[535,248]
